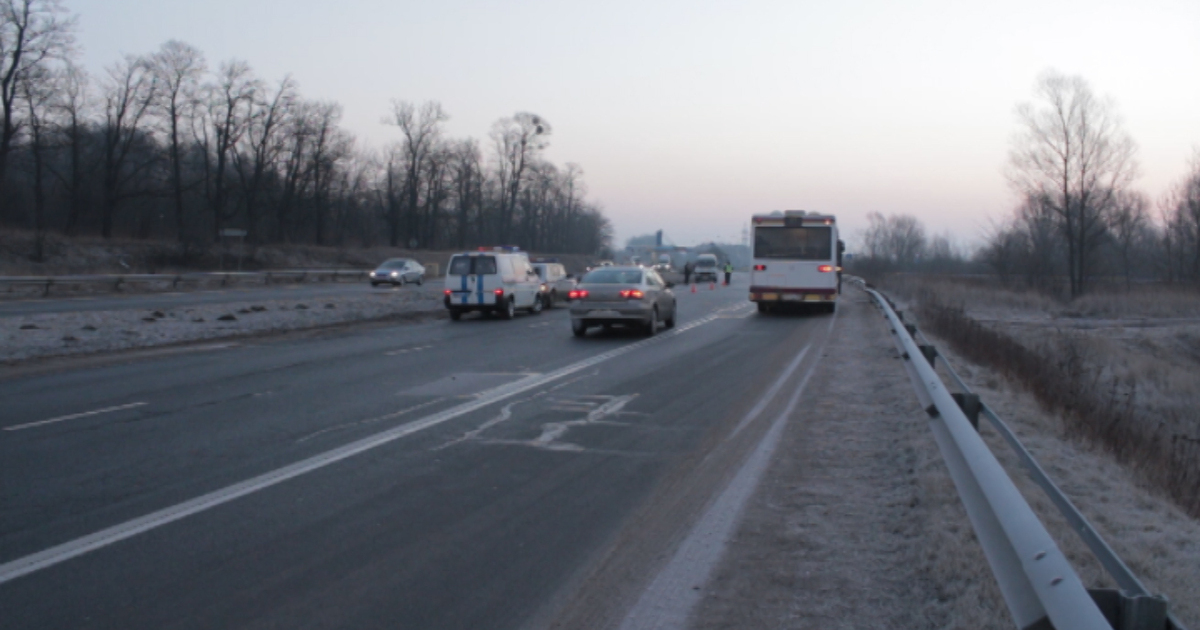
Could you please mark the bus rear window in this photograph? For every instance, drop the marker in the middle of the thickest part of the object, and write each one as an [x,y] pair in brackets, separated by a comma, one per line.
[795,243]
[467,265]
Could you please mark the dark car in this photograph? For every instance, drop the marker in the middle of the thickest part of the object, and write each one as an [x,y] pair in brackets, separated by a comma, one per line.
[622,296]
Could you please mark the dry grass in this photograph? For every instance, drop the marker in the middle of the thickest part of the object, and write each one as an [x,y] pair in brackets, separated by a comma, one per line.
[1129,385]
[1148,530]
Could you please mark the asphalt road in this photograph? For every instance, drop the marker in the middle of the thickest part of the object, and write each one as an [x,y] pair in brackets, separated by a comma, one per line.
[473,474]
[180,299]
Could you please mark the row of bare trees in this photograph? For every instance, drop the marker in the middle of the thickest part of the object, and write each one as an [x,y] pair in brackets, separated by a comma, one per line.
[1080,218]
[163,146]
[900,242]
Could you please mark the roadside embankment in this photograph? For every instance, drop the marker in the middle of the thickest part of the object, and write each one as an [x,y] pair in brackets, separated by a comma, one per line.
[76,333]
[1098,391]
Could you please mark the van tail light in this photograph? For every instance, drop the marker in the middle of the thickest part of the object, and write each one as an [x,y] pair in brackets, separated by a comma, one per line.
[633,294]
[576,295]
[447,291]
[760,267]
[825,268]
[499,292]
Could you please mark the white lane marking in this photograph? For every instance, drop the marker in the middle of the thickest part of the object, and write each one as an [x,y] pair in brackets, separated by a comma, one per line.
[71,549]
[770,395]
[73,416]
[676,590]
[389,416]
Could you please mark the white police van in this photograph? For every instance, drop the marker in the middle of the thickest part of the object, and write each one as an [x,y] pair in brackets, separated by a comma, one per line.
[498,280]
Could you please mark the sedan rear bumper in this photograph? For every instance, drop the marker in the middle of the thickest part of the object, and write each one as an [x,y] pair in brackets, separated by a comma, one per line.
[611,312]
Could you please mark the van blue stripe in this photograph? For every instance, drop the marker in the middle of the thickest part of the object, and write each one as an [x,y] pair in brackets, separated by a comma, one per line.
[464,289]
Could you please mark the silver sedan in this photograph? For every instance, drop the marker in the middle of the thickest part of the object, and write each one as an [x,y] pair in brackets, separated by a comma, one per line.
[625,296]
[398,272]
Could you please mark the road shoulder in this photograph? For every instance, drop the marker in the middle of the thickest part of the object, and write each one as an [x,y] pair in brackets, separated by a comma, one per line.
[856,523]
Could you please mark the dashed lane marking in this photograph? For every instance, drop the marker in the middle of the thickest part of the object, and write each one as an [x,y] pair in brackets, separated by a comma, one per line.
[61,553]
[30,425]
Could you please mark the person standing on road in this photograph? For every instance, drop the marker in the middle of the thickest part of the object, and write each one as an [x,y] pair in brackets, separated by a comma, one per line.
[687,273]
[728,271]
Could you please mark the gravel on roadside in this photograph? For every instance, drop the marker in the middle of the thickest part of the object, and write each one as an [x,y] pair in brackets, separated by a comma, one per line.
[59,334]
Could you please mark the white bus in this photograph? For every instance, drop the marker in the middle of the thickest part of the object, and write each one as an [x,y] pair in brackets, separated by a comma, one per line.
[797,260]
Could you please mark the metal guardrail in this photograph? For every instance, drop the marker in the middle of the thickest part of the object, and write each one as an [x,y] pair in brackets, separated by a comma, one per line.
[118,280]
[1039,586]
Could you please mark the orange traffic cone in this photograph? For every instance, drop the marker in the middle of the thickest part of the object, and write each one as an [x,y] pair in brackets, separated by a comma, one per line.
[712,286]
[693,287]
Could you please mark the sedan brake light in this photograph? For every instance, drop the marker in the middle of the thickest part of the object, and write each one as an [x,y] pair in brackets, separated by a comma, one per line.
[633,294]
[577,294]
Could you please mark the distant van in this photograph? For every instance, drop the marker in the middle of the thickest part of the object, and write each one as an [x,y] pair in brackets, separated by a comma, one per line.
[706,267]
[498,281]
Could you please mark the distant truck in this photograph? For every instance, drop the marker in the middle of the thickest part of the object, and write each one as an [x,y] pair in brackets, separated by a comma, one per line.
[705,267]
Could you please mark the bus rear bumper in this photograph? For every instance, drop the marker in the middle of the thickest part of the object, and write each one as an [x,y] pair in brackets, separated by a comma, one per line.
[776,294]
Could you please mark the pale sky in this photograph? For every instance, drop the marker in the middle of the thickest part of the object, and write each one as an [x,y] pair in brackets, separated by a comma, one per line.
[691,116]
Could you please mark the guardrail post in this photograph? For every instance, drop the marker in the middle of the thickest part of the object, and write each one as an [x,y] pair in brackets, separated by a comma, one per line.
[46,291]
[930,353]
[969,403]
[1131,612]
[117,284]
[911,328]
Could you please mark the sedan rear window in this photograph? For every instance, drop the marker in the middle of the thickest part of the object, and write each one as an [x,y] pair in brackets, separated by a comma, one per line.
[614,276]
[467,265]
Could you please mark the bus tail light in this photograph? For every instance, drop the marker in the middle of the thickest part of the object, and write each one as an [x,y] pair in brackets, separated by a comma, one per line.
[499,292]
[577,295]
[633,294]
[825,268]
[447,291]
[760,267]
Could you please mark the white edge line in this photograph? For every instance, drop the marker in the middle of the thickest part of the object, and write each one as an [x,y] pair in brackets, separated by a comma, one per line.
[670,597]
[71,549]
[73,416]
[770,395]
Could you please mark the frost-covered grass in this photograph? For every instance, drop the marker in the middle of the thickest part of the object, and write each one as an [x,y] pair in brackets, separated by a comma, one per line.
[58,334]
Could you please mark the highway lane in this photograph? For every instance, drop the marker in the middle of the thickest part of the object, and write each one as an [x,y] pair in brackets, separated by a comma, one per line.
[181,299]
[497,515]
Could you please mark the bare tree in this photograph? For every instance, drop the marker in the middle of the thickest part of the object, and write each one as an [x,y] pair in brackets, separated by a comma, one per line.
[128,96]
[178,69]
[229,103]
[38,93]
[72,107]
[422,130]
[264,144]
[518,141]
[896,241]
[33,34]
[329,145]
[1072,152]
[1128,223]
